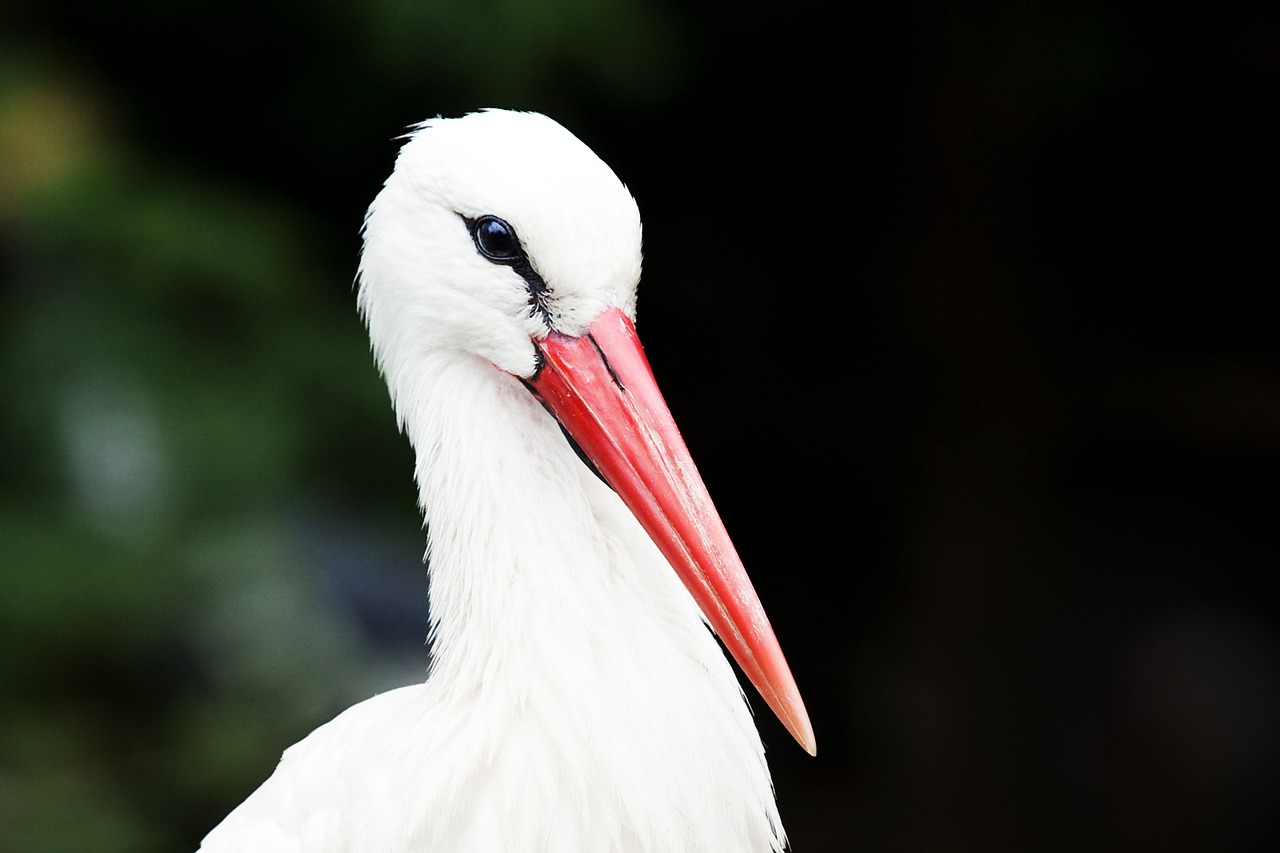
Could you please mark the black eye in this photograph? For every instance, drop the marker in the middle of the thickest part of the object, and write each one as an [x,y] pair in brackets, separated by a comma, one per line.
[495,239]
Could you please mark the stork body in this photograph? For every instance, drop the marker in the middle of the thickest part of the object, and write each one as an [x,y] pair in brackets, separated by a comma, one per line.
[576,700]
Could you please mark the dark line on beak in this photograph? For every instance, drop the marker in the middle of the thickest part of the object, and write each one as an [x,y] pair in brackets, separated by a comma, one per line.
[605,359]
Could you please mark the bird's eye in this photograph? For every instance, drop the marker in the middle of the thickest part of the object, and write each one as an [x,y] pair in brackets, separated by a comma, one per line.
[496,240]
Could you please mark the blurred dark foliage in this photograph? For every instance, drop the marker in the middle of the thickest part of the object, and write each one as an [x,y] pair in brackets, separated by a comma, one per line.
[963,310]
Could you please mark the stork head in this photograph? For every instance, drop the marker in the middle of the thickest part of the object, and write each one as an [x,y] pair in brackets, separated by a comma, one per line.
[501,235]
[493,230]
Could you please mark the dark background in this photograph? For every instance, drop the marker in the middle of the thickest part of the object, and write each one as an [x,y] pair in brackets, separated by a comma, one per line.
[964,309]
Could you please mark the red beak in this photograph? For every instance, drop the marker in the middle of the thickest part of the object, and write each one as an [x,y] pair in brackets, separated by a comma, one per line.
[599,386]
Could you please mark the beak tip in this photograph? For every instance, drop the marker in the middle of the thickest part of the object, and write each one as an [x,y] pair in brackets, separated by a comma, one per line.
[801,729]
[810,745]
[780,693]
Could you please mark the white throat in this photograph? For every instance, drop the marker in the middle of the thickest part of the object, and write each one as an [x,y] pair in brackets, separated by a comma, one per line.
[516,542]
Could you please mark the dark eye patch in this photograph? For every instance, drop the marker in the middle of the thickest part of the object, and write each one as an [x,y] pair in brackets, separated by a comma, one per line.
[496,240]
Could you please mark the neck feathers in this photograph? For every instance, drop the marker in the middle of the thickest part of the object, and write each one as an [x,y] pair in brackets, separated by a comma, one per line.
[515,543]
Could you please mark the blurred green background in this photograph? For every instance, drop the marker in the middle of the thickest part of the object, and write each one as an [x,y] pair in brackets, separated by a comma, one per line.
[964,310]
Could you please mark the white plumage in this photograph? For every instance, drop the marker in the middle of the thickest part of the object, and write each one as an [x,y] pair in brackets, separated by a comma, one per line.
[576,700]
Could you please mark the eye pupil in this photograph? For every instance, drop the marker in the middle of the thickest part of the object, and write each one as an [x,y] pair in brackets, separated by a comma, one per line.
[496,240]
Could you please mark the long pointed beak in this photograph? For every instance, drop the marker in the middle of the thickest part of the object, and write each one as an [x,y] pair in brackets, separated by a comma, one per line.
[602,391]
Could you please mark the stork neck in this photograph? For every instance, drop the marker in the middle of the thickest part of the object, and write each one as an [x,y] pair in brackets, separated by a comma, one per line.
[514,544]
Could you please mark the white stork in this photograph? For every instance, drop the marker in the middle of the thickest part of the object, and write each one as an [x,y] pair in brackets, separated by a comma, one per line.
[576,700]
